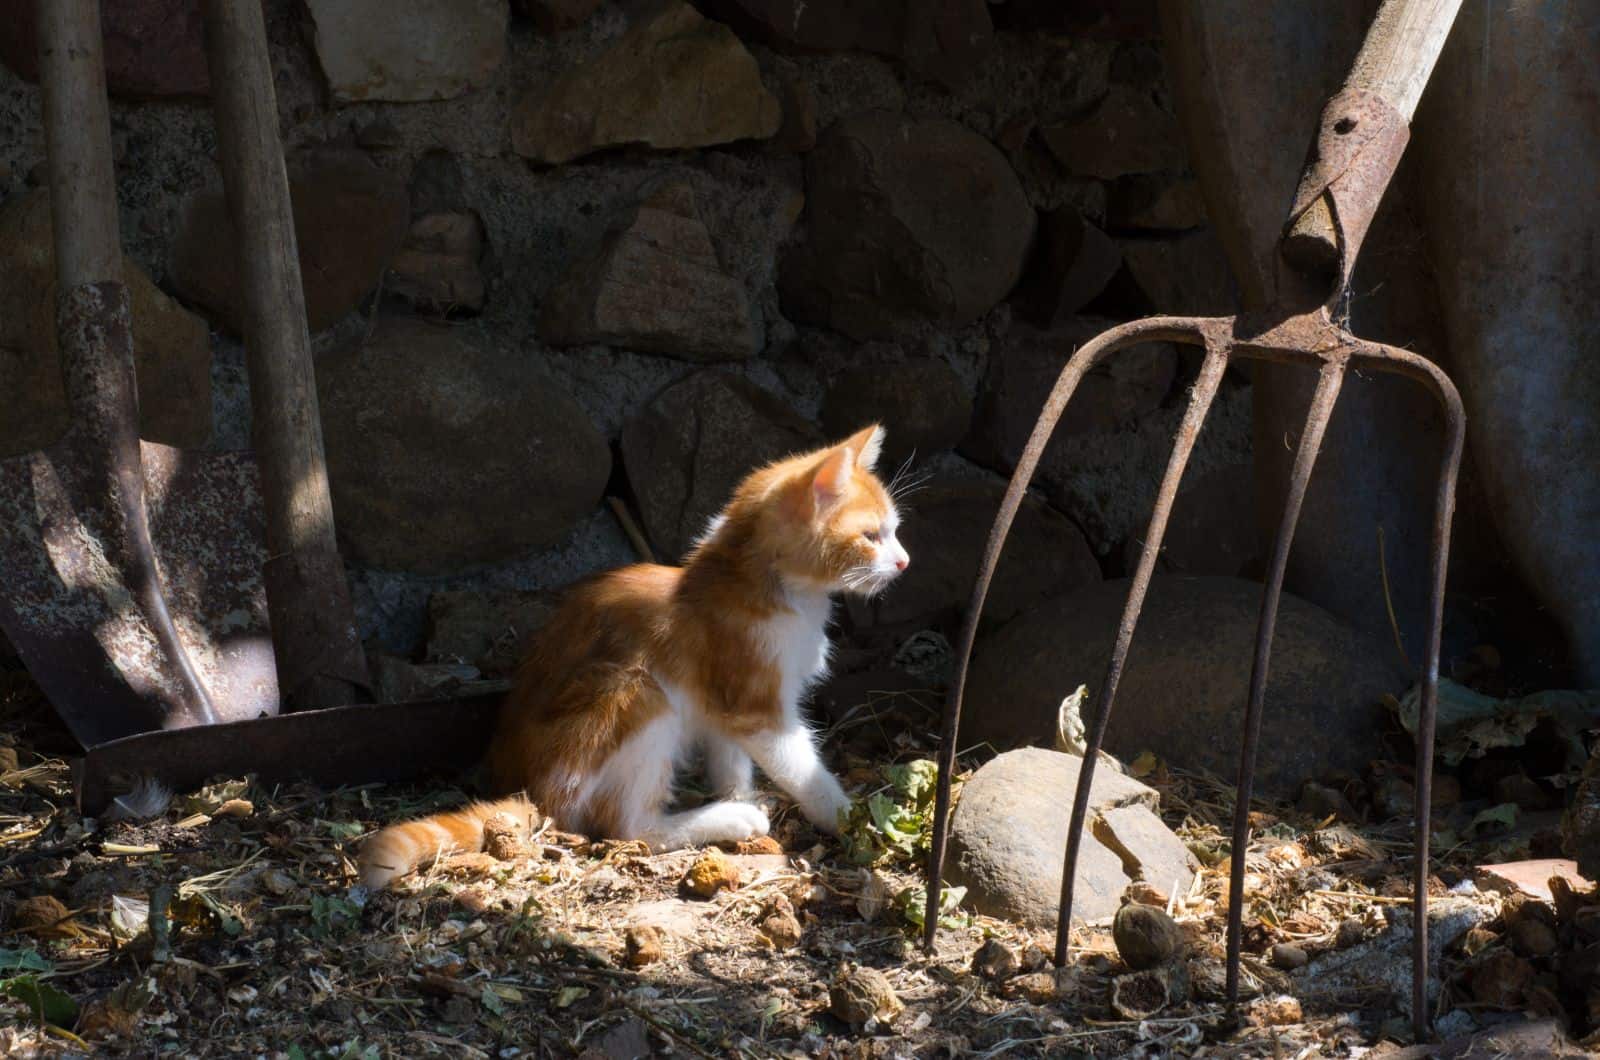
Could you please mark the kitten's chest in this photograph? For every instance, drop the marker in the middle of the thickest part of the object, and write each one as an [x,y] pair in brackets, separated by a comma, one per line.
[797,644]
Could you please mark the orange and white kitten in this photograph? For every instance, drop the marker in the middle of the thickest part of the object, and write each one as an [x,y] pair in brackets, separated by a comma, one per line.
[641,665]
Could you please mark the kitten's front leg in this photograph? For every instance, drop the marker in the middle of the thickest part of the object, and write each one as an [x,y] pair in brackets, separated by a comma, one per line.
[789,756]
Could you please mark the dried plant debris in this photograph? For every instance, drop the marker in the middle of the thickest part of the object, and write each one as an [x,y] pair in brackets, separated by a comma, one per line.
[225,922]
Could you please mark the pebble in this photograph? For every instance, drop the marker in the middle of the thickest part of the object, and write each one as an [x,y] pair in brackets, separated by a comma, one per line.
[1145,936]
[1288,956]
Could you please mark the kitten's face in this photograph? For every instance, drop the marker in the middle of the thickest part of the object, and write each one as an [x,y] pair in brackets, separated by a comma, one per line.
[852,525]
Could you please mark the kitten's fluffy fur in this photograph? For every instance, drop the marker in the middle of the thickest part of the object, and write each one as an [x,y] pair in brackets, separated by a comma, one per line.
[641,665]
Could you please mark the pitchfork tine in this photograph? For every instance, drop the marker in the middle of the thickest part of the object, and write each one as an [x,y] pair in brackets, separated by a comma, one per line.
[1205,389]
[1305,459]
[1421,370]
[1153,329]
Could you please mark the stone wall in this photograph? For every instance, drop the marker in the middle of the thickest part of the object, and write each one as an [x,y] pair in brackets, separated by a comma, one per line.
[562,250]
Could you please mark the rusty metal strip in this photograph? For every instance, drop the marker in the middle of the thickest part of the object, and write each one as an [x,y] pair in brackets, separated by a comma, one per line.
[1321,410]
[1432,377]
[1205,389]
[1154,329]
[340,745]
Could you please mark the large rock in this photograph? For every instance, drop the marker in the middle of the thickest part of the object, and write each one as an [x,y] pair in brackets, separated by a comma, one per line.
[1212,528]
[153,48]
[443,456]
[171,349]
[1182,694]
[922,404]
[488,630]
[1187,274]
[350,218]
[1106,459]
[939,40]
[654,284]
[1071,263]
[1127,133]
[907,219]
[945,531]
[407,50]
[673,80]
[557,16]
[438,269]
[1009,833]
[688,449]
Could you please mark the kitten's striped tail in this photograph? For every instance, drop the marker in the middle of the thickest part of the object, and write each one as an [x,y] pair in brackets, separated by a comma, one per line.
[396,850]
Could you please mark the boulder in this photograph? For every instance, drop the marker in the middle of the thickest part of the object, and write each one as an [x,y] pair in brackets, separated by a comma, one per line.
[673,80]
[946,529]
[437,269]
[653,284]
[1127,133]
[1009,832]
[937,40]
[1212,529]
[350,218]
[1186,274]
[798,133]
[1182,693]
[488,630]
[1071,263]
[153,48]
[1025,364]
[1110,19]
[688,449]
[443,456]
[1158,202]
[557,16]
[907,219]
[407,51]
[1106,459]
[922,404]
[171,348]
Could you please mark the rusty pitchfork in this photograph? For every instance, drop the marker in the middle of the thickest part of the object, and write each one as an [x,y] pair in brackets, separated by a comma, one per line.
[1358,144]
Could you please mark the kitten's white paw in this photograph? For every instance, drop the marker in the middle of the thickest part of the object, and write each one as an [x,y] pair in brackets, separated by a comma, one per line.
[826,807]
[733,821]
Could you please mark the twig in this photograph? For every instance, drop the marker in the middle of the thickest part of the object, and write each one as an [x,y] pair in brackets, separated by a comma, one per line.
[631,527]
[1388,602]
[160,926]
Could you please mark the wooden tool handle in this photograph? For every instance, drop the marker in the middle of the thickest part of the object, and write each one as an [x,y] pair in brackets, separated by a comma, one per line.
[1401,48]
[319,655]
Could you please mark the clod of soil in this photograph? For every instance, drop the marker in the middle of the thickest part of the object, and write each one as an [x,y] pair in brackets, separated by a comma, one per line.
[1145,936]
[644,945]
[711,873]
[859,996]
[994,961]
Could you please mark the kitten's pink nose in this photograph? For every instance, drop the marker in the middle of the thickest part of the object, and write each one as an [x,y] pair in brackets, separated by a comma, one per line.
[902,563]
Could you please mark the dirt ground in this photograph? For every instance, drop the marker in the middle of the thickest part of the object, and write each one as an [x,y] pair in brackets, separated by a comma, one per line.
[562,947]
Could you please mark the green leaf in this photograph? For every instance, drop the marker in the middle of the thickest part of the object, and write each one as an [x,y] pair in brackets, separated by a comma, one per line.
[912,904]
[345,830]
[48,1004]
[1494,819]
[491,1001]
[27,960]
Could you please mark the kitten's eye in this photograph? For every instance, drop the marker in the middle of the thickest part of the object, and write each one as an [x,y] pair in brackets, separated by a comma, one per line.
[872,535]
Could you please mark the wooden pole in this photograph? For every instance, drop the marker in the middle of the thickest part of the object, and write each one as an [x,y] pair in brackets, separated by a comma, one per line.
[77,124]
[319,656]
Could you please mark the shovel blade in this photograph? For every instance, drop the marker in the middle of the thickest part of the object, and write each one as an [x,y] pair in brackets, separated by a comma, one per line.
[68,610]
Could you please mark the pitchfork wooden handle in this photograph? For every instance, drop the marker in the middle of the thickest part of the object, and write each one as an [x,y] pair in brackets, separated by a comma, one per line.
[1386,81]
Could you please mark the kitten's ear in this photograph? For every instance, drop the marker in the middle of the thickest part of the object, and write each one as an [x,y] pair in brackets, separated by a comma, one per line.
[868,445]
[828,482]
